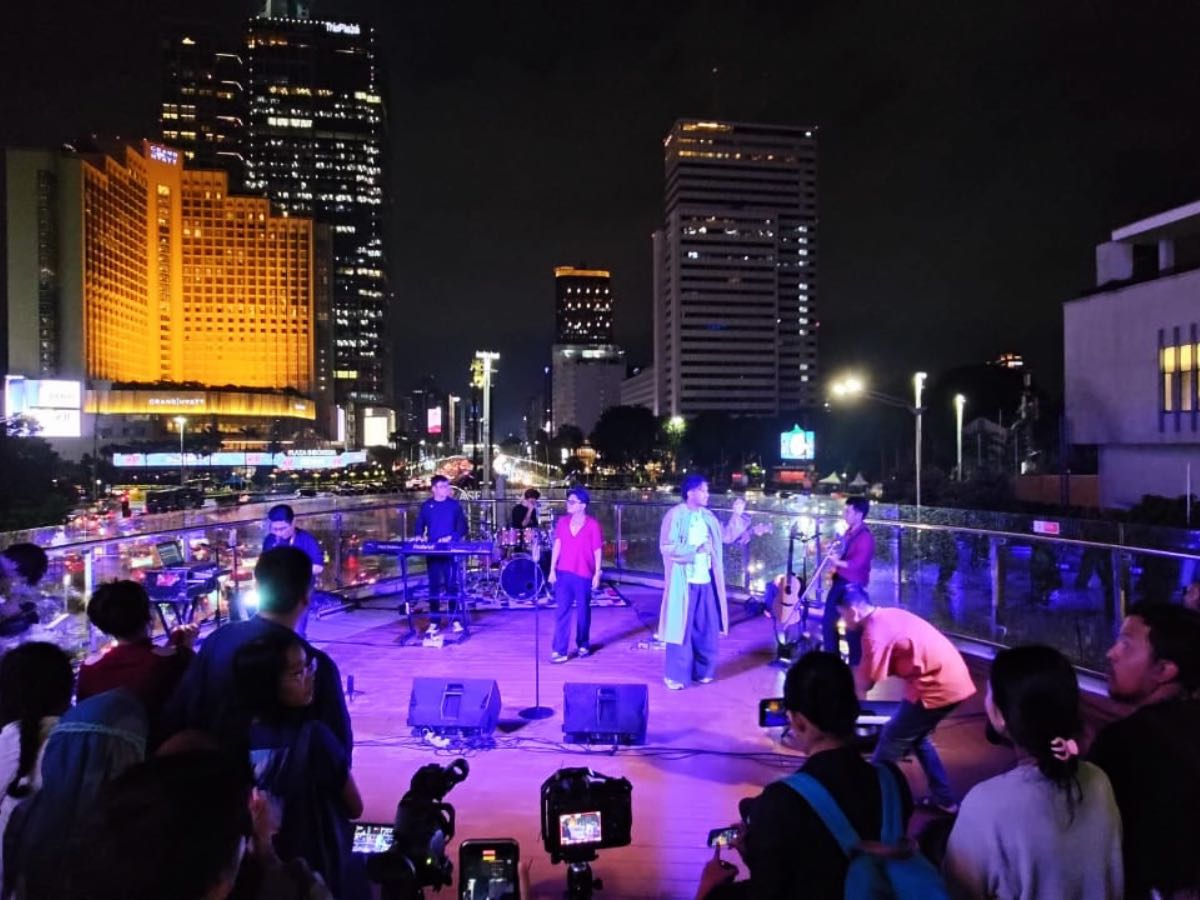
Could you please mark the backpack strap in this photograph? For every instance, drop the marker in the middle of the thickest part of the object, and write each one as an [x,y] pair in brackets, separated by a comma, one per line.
[826,808]
[891,827]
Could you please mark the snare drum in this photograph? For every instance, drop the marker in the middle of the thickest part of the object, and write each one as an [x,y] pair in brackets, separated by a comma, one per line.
[511,537]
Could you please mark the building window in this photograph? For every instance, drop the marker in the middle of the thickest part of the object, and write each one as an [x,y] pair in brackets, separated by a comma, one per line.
[1179,376]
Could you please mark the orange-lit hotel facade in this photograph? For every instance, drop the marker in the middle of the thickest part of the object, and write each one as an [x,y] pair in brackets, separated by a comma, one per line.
[159,290]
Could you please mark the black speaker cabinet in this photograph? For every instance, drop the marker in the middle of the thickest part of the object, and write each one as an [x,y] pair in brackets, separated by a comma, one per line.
[605,713]
[466,706]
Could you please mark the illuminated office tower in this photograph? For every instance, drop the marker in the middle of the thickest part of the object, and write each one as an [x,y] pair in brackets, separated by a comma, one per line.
[583,306]
[735,270]
[167,295]
[203,102]
[315,146]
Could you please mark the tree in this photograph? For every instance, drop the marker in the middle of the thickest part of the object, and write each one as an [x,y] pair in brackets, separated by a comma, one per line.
[625,435]
[569,436]
[34,493]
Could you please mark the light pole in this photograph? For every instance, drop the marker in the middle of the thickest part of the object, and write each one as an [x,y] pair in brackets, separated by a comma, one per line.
[181,424]
[853,386]
[487,358]
[918,389]
[959,402]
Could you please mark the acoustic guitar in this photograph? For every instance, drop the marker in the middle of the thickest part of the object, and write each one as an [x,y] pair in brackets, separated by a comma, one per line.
[792,595]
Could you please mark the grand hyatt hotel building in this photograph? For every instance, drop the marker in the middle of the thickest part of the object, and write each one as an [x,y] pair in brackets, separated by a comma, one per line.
[163,294]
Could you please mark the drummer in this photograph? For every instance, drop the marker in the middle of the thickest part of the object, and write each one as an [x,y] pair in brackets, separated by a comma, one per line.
[525,514]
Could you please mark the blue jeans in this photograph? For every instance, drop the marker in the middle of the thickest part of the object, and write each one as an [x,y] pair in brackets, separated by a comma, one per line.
[696,657]
[829,620]
[909,729]
[571,590]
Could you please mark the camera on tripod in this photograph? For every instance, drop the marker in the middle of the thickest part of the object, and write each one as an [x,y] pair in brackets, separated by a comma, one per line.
[582,812]
[424,827]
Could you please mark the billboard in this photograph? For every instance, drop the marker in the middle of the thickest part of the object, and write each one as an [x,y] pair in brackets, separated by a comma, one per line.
[292,460]
[54,405]
[797,445]
[433,419]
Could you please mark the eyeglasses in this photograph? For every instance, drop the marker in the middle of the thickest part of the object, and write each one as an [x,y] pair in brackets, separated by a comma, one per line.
[309,669]
[571,500]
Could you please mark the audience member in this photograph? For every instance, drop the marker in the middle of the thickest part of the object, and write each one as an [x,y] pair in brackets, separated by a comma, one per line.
[121,609]
[92,743]
[784,844]
[176,826]
[1049,827]
[284,578]
[1150,756]
[896,642]
[22,566]
[296,759]
[35,689]
[1191,596]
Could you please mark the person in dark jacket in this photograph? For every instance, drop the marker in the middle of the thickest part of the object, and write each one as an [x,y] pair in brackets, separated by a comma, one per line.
[441,520]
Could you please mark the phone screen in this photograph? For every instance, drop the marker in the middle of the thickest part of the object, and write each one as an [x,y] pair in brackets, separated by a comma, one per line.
[487,870]
[371,837]
[579,828]
[771,713]
[722,837]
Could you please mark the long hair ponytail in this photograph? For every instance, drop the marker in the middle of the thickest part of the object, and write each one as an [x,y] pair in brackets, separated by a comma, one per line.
[36,681]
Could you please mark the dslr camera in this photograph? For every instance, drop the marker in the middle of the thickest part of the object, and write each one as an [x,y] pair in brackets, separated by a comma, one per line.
[582,812]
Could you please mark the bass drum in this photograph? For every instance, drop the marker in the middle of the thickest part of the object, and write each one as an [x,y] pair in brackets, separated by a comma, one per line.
[521,578]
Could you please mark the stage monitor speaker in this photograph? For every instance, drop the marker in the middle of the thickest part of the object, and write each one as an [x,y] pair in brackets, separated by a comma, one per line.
[605,713]
[458,706]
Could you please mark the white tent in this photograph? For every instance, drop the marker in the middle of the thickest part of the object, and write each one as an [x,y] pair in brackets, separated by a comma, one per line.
[832,478]
[859,482]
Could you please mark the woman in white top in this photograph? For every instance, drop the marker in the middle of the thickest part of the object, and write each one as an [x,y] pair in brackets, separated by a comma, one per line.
[36,683]
[1049,828]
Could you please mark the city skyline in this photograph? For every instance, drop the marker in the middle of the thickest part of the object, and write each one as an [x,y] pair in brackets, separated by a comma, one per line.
[970,158]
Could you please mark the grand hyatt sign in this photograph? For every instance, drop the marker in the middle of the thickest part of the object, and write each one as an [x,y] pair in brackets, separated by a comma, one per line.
[134,402]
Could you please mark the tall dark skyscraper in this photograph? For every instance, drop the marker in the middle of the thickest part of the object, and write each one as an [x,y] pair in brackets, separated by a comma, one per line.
[735,275]
[583,306]
[203,102]
[315,145]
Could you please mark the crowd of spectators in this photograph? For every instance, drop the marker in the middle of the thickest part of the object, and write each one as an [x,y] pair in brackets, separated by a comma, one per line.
[228,772]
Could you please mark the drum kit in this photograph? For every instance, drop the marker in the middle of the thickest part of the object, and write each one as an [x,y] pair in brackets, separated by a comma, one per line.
[520,553]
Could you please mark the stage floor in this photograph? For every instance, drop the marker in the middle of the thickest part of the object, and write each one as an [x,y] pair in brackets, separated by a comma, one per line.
[704,749]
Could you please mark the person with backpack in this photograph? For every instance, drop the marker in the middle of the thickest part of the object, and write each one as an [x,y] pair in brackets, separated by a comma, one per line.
[799,835]
[1047,829]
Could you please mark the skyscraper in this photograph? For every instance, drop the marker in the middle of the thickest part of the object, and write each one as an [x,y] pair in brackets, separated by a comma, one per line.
[583,306]
[203,102]
[164,294]
[735,277]
[315,146]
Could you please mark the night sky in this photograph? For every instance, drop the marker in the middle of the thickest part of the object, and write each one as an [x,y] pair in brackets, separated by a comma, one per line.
[971,154]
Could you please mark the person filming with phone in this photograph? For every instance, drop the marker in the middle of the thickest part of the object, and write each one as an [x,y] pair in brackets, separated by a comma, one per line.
[781,838]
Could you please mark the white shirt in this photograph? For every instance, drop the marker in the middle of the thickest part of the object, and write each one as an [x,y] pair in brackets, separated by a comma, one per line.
[700,568]
[1015,838]
[10,760]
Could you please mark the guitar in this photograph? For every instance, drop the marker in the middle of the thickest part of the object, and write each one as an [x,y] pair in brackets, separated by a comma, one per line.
[788,587]
[793,595]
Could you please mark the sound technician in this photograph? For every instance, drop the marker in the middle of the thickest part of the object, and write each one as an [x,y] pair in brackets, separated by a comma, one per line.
[851,565]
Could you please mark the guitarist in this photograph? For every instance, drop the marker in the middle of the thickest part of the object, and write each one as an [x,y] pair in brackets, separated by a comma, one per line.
[851,565]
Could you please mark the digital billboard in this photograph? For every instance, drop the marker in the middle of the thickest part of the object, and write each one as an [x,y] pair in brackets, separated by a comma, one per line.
[433,418]
[53,404]
[797,445]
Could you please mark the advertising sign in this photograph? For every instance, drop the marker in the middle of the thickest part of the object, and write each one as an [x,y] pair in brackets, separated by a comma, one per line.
[797,445]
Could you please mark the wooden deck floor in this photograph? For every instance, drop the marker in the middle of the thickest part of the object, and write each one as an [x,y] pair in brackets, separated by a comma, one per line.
[704,748]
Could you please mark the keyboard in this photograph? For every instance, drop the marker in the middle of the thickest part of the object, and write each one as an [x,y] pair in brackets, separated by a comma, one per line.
[427,548]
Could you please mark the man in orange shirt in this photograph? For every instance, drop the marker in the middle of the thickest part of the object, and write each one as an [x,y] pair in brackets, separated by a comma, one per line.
[898,643]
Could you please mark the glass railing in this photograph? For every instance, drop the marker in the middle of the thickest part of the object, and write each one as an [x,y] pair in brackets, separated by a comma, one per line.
[977,575]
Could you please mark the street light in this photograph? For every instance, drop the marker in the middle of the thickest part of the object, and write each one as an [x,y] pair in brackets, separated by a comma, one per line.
[854,386]
[181,424]
[959,402]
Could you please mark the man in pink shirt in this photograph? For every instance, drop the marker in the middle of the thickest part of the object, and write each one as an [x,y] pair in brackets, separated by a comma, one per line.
[575,573]
[898,643]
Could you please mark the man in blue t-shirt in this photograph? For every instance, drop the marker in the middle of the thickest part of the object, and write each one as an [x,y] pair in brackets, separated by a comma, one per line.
[281,525]
[441,520]
[203,697]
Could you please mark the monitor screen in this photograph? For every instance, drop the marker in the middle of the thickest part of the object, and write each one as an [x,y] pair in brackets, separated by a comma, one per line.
[169,553]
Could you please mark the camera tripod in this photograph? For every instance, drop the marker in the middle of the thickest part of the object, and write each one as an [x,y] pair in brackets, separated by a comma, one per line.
[580,881]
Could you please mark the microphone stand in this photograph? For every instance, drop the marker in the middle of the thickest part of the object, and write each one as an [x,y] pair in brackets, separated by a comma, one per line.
[537,711]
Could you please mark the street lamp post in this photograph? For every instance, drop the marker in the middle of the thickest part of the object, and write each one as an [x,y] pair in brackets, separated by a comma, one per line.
[181,424]
[918,389]
[959,402]
[853,386]
[487,358]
